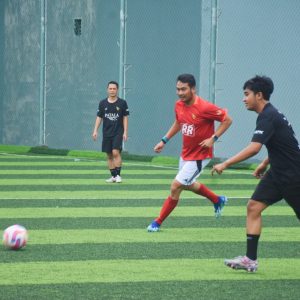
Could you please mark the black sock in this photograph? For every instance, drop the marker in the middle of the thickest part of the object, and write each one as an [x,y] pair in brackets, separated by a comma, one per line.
[252,244]
[113,172]
[118,171]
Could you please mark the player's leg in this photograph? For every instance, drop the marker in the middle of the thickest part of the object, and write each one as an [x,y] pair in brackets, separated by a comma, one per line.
[266,194]
[168,206]
[254,219]
[254,225]
[116,152]
[111,166]
[218,201]
[171,201]
[191,171]
[110,161]
[107,148]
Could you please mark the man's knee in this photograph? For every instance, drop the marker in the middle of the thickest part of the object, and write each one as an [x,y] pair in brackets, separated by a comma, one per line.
[109,155]
[255,207]
[116,153]
[176,188]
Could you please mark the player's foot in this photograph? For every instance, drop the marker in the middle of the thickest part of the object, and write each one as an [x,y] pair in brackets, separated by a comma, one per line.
[111,180]
[118,179]
[220,205]
[242,263]
[153,227]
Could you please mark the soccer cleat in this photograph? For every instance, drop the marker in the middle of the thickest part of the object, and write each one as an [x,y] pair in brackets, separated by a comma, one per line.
[242,263]
[220,205]
[111,180]
[153,227]
[118,179]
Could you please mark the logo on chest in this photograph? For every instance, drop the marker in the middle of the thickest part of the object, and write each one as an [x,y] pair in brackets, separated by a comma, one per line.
[188,129]
[111,116]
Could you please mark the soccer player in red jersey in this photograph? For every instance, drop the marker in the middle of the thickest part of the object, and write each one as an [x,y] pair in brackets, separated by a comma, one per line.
[195,119]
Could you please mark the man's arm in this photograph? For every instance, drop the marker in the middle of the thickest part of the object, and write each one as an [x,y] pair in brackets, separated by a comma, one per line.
[223,126]
[175,128]
[125,125]
[96,127]
[252,149]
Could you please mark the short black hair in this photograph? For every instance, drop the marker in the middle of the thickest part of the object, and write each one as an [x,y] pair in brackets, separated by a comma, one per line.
[113,82]
[261,84]
[187,78]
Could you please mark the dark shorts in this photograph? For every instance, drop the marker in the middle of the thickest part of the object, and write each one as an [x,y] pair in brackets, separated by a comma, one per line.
[269,192]
[110,143]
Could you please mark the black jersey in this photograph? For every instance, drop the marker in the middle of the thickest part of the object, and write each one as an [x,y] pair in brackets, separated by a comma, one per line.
[276,133]
[112,115]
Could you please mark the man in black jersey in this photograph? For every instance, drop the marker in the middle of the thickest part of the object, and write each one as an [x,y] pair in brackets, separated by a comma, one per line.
[281,180]
[114,113]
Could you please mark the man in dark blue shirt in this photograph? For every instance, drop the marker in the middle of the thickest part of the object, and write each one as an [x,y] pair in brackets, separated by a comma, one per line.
[281,180]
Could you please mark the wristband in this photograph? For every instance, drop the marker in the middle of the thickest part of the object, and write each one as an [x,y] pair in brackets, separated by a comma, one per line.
[215,138]
[164,139]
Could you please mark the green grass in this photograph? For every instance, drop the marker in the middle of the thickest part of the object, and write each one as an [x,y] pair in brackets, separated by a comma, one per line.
[144,250]
[159,290]
[92,212]
[88,239]
[71,236]
[146,270]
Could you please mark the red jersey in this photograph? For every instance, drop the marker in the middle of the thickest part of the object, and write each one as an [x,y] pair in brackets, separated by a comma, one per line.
[197,124]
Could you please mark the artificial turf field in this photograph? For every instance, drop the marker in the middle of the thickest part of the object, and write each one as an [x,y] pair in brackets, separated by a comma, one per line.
[88,239]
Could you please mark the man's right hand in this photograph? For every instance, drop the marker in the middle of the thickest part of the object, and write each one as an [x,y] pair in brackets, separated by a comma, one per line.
[219,168]
[95,135]
[159,147]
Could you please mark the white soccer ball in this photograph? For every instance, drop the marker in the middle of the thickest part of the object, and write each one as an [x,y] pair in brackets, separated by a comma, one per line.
[15,237]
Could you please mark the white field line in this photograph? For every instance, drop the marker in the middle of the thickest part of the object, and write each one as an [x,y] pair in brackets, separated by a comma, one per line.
[125,162]
[67,198]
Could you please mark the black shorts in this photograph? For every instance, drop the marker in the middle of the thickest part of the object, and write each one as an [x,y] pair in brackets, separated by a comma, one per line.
[110,143]
[269,192]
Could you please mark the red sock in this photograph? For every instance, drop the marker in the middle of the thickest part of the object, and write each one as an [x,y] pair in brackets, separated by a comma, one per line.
[206,192]
[166,209]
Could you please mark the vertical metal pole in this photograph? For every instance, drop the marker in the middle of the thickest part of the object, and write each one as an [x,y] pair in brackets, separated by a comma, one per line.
[125,51]
[122,48]
[122,63]
[45,73]
[200,38]
[213,51]
[42,72]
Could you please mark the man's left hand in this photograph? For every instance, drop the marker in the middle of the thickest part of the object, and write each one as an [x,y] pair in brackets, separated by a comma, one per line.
[207,143]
